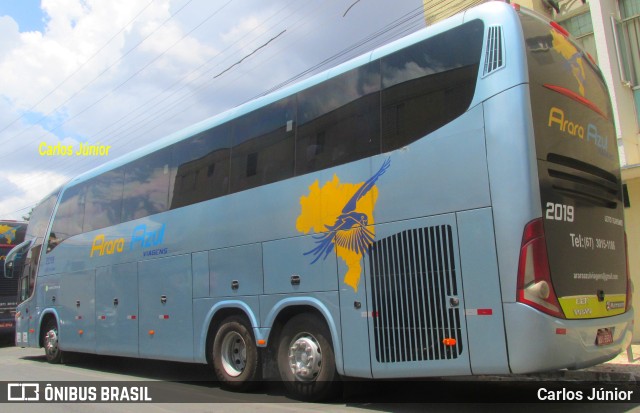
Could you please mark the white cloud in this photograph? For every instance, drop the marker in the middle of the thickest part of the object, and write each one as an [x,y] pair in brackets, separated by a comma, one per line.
[17,200]
[9,35]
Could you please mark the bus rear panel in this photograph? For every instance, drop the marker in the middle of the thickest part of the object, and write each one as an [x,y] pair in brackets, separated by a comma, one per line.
[572,264]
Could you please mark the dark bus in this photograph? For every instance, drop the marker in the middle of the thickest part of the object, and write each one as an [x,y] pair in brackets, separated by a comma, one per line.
[11,234]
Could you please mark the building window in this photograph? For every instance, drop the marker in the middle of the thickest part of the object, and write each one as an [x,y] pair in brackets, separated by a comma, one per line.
[628,42]
[628,31]
[581,28]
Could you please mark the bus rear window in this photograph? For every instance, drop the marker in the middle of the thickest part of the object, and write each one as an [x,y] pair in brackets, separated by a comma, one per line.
[557,63]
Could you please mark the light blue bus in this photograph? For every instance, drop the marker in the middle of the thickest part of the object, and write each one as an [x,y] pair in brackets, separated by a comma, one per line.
[448,204]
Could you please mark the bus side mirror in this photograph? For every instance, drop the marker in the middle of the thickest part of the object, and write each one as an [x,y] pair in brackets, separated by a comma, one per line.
[8,269]
[15,259]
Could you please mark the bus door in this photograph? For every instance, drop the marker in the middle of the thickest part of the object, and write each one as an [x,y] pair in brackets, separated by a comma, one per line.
[26,263]
[415,308]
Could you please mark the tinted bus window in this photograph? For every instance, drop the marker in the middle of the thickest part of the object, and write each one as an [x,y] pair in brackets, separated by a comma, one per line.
[555,60]
[570,100]
[339,120]
[429,84]
[39,221]
[103,206]
[146,186]
[263,146]
[69,217]
[201,167]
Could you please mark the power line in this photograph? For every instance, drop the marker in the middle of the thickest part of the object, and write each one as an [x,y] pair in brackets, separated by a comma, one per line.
[386,32]
[403,19]
[350,7]
[77,69]
[81,165]
[250,54]
[148,105]
[316,67]
[99,75]
[141,69]
[192,91]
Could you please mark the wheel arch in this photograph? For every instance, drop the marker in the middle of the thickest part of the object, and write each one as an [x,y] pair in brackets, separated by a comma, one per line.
[47,315]
[214,318]
[287,308]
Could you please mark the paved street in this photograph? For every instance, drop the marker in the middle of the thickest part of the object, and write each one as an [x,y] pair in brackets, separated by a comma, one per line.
[190,382]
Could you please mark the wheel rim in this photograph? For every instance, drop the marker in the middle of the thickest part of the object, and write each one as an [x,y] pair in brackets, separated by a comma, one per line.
[305,357]
[234,354]
[51,343]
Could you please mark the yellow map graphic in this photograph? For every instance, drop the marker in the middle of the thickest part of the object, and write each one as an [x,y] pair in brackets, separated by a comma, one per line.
[324,205]
[7,232]
[571,54]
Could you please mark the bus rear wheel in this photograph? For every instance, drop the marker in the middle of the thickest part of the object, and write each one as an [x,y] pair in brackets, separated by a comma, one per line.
[306,360]
[50,342]
[236,361]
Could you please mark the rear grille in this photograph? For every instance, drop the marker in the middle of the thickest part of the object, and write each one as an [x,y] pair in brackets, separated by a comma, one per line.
[494,55]
[582,181]
[413,277]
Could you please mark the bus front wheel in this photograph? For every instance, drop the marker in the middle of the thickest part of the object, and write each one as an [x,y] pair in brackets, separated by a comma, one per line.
[306,360]
[50,342]
[236,360]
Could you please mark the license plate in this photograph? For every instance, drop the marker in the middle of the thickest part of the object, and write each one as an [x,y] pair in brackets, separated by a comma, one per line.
[604,336]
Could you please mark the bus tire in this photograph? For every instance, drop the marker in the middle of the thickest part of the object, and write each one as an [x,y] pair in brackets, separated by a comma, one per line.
[50,342]
[306,360]
[236,361]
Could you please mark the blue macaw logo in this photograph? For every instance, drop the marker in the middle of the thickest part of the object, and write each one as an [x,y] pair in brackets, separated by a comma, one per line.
[350,228]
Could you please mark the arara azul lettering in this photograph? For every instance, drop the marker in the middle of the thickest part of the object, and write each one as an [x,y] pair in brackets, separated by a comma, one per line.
[557,118]
[141,238]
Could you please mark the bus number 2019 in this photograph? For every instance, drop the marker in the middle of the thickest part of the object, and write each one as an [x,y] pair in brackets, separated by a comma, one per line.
[559,212]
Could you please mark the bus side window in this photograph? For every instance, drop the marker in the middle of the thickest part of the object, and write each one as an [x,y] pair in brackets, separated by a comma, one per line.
[263,146]
[103,205]
[146,186]
[429,84]
[27,260]
[339,120]
[200,167]
[69,216]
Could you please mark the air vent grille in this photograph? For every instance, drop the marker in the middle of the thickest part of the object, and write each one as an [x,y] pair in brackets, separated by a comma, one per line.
[582,181]
[494,58]
[413,281]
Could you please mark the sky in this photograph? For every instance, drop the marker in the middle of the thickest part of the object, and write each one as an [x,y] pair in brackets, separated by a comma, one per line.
[124,73]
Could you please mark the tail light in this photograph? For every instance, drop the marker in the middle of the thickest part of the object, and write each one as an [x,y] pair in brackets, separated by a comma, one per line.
[534,281]
[629,286]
